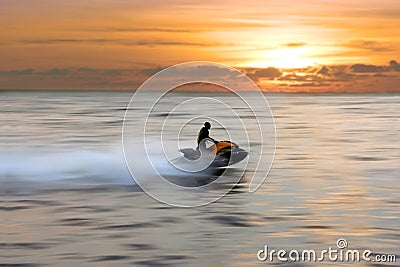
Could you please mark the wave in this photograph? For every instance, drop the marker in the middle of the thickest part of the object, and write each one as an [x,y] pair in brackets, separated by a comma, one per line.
[48,168]
[44,169]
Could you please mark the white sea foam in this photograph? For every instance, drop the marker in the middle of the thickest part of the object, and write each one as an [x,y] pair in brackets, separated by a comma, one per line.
[76,168]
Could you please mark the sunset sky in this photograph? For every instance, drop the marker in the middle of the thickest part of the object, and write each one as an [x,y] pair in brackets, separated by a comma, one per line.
[284,46]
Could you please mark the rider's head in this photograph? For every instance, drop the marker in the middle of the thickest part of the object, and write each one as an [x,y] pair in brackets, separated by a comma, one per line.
[207,125]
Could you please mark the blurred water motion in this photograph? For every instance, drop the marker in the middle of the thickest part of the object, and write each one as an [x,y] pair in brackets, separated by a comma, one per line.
[68,198]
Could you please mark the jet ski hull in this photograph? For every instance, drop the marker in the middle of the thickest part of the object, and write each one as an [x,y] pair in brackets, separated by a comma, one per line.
[226,153]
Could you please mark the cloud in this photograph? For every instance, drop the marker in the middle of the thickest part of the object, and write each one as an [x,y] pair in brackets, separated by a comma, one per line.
[65,71]
[258,74]
[325,71]
[125,42]
[364,68]
[319,74]
[381,75]
[133,29]
[368,45]
[65,41]
[71,78]
[55,71]
[343,76]
[327,78]
[394,65]
[220,24]
[113,72]
[16,72]
[334,73]
[86,69]
[293,77]
[151,71]
[175,43]
[295,44]
[308,84]
[214,73]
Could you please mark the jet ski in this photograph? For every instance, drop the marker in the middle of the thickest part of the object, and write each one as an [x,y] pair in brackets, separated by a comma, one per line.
[225,153]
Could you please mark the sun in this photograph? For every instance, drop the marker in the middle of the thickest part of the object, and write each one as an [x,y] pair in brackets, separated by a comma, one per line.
[285,58]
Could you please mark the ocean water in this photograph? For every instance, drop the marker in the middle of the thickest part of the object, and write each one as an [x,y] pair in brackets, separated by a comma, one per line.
[69,199]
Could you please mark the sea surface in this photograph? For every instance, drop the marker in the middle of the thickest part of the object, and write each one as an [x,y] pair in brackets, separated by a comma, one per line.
[68,198]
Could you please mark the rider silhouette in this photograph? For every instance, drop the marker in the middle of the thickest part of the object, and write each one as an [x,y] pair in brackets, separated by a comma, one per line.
[203,134]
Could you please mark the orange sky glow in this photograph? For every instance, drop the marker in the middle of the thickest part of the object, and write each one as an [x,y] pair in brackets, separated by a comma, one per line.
[284,46]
